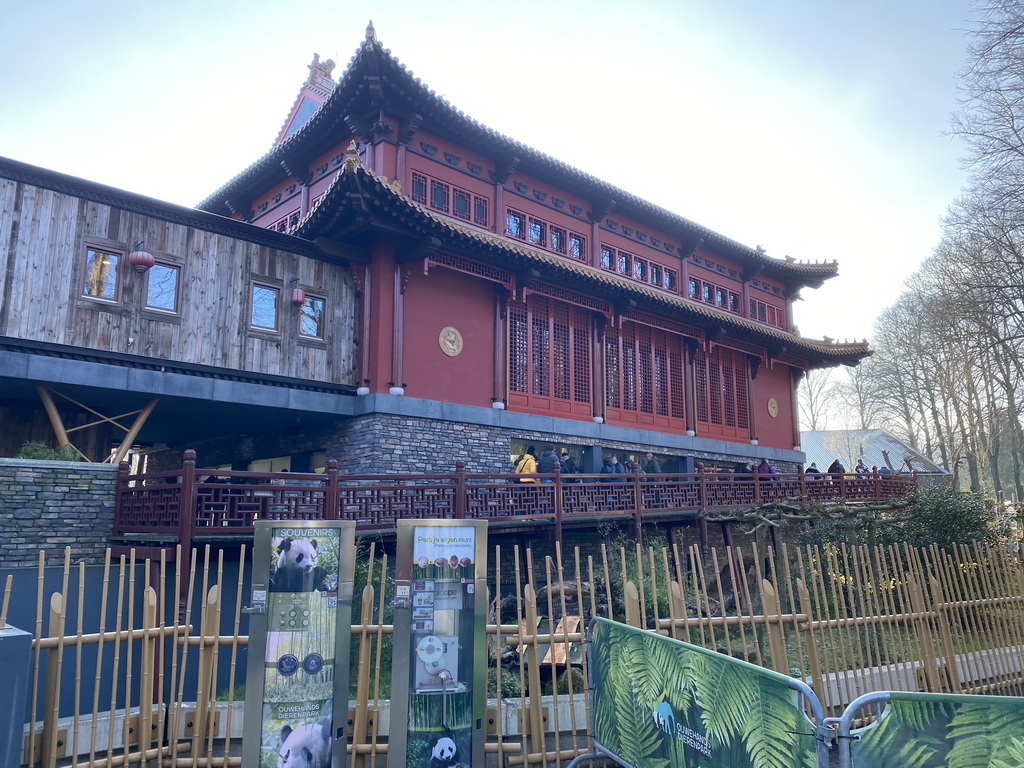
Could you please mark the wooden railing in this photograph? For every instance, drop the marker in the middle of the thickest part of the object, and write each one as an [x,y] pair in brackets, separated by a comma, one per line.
[183,505]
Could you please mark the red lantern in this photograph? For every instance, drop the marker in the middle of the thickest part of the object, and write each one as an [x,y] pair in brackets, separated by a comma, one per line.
[141,260]
[298,297]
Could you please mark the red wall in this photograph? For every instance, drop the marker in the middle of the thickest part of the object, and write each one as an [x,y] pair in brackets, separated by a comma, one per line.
[447,298]
[778,432]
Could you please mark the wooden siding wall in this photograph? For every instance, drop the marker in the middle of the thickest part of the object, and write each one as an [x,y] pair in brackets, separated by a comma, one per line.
[43,239]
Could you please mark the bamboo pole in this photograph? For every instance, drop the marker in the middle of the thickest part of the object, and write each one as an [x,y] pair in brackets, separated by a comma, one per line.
[7,600]
[776,639]
[101,640]
[521,624]
[537,737]
[378,649]
[362,677]
[76,717]
[51,700]
[813,659]
[207,651]
[721,598]
[147,684]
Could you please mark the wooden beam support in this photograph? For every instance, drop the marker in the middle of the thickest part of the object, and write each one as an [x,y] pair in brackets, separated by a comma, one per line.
[137,425]
[55,420]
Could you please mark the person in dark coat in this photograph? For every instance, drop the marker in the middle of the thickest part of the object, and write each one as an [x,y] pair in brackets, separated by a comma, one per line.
[611,467]
[546,462]
[568,467]
[653,466]
[836,468]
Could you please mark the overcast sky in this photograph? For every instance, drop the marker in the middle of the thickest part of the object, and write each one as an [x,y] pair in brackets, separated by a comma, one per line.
[812,128]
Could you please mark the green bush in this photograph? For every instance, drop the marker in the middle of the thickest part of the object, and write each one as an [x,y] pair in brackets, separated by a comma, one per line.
[939,515]
[34,449]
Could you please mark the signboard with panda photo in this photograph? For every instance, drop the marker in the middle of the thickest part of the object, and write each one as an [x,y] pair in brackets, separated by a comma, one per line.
[299,644]
[438,690]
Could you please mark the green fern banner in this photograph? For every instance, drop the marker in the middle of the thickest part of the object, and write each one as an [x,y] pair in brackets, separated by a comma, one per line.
[934,730]
[660,702]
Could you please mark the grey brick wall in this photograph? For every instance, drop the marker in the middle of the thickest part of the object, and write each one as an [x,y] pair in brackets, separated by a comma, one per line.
[48,505]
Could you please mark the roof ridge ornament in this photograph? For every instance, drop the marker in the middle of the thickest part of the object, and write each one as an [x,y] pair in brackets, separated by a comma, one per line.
[320,73]
[352,157]
[371,33]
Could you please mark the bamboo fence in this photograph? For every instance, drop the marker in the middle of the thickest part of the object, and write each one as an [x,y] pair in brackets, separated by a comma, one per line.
[847,620]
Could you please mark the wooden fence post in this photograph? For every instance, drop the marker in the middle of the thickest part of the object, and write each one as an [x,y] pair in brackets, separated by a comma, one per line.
[363,673]
[205,691]
[186,521]
[631,597]
[557,490]
[332,510]
[813,660]
[776,633]
[147,728]
[929,666]
[638,503]
[538,741]
[54,662]
[460,490]
[942,619]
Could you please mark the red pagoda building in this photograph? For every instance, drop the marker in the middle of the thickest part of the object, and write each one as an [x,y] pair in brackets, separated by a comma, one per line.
[432,290]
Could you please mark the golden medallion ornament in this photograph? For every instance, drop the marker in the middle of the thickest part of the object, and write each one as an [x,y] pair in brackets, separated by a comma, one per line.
[773,407]
[450,341]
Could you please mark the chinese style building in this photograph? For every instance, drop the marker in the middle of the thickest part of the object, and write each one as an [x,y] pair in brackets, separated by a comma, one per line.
[398,286]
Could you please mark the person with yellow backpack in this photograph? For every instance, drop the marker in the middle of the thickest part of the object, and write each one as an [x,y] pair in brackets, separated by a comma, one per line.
[527,465]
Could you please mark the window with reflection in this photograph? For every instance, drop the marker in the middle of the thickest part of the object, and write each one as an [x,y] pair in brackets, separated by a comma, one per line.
[101,274]
[264,307]
[515,225]
[311,318]
[162,288]
[537,232]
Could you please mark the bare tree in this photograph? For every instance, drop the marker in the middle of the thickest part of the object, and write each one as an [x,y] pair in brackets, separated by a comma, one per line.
[817,399]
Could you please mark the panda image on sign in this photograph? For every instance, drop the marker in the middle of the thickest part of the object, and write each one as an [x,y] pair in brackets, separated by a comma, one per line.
[444,753]
[306,746]
[296,569]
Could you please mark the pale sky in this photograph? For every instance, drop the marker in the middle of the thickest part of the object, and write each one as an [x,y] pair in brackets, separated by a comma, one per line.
[809,127]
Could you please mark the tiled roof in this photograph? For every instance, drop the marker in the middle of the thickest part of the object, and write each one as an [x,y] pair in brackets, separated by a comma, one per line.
[848,445]
[354,182]
[372,55]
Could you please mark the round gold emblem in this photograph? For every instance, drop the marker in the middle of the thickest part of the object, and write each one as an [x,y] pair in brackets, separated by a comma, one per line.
[450,341]
[773,407]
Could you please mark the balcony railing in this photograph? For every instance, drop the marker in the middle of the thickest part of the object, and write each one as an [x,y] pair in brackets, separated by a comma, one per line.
[188,504]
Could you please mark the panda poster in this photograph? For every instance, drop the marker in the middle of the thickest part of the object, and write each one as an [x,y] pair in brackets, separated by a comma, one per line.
[299,662]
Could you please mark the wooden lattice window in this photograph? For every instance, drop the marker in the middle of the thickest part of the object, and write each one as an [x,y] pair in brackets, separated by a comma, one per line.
[549,356]
[449,199]
[721,384]
[544,234]
[766,313]
[644,381]
[641,270]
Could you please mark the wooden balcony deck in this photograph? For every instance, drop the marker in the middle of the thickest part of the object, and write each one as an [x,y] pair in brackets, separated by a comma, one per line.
[188,504]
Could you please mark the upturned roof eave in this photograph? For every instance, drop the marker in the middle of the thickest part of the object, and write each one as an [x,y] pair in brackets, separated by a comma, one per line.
[434,106]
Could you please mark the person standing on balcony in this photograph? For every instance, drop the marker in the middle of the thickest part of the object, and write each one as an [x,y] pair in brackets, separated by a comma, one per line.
[568,467]
[546,464]
[653,466]
[527,465]
[611,467]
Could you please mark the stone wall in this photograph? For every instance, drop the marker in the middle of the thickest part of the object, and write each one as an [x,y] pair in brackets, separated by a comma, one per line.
[48,505]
